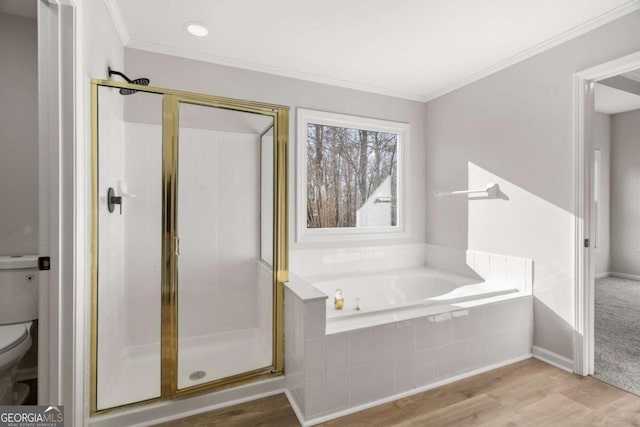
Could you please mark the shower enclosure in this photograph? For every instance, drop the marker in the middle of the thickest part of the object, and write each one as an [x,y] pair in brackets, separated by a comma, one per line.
[189,242]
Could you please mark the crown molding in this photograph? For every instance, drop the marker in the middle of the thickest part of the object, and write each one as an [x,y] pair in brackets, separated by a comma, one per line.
[574,32]
[263,68]
[118,22]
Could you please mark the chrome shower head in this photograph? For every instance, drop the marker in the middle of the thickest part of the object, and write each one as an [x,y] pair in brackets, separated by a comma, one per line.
[143,81]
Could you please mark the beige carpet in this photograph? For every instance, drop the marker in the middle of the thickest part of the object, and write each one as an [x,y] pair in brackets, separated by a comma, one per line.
[617,333]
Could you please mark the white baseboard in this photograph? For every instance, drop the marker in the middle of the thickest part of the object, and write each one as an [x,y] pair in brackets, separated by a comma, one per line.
[296,409]
[170,410]
[603,275]
[25,374]
[332,416]
[625,276]
[553,359]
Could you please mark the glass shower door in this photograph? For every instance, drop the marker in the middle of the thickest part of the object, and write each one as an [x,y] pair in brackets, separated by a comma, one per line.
[189,243]
[224,287]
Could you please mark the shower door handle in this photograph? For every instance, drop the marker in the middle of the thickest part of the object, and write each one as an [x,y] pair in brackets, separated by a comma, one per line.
[176,245]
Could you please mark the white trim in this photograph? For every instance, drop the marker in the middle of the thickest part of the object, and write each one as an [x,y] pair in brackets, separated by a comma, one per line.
[296,409]
[583,95]
[583,345]
[269,69]
[60,360]
[338,414]
[157,413]
[118,21]
[603,275]
[553,359]
[403,130]
[624,276]
[574,32]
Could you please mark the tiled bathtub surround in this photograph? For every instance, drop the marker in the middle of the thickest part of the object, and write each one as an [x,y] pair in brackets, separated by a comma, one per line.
[316,262]
[331,375]
[502,269]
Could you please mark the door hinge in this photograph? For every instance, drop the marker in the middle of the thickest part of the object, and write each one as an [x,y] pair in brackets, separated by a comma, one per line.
[586,243]
[44,263]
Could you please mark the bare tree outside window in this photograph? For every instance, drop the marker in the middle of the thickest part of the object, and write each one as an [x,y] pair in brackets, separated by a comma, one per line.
[352,177]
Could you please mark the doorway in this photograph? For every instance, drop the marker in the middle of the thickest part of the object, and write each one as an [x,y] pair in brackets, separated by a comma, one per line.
[616,230]
[189,243]
[598,291]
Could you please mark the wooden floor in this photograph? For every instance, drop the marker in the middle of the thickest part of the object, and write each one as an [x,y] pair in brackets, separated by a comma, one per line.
[528,393]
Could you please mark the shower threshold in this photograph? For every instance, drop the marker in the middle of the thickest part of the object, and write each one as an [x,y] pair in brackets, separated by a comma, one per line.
[200,360]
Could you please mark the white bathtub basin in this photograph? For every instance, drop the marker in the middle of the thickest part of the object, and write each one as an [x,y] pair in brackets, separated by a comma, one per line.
[413,287]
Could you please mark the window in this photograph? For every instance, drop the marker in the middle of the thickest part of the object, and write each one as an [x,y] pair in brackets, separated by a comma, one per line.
[350,177]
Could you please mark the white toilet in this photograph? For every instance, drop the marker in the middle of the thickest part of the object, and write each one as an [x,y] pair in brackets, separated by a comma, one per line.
[18,307]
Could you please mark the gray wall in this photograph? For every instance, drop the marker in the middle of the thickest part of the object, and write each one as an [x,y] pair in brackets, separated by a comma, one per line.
[602,142]
[516,127]
[196,76]
[18,135]
[625,193]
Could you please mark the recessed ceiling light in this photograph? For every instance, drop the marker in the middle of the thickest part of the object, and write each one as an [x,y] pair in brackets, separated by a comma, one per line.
[197,30]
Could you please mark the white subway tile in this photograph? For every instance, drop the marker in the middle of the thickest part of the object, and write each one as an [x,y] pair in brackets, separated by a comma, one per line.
[354,260]
[367,261]
[442,365]
[379,258]
[314,356]
[459,357]
[314,395]
[476,348]
[482,265]
[340,264]
[315,318]
[520,341]
[338,387]
[424,366]
[498,269]
[384,341]
[516,273]
[405,338]
[383,378]
[499,316]
[442,328]
[361,384]
[529,274]
[471,259]
[467,323]
[425,333]
[362,346]
[497,347]
[405,373]
[338,352]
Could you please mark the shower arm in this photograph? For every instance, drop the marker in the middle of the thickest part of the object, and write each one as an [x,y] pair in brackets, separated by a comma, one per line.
[118,73]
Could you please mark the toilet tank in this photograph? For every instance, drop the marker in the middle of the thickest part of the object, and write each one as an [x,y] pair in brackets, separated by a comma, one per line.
[18,288]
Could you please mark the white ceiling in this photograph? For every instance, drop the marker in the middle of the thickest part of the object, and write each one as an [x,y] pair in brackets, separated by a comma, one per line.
[415,49]
[609,100]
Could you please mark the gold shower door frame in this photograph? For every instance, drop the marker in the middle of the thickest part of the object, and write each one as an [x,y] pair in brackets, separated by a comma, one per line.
[169,283]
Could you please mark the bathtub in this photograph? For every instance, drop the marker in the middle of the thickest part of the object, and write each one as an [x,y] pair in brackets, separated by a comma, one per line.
[418,328]
[402,289]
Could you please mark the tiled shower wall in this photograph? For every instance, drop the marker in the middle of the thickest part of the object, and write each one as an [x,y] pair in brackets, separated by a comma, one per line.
[331,373]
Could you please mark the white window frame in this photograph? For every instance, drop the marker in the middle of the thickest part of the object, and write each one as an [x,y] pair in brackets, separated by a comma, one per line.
[304,234]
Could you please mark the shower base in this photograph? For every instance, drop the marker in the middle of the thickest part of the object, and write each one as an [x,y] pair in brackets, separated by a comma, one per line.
[217,356]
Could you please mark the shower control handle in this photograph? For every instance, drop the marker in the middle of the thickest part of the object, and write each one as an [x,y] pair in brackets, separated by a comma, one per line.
[113,200]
